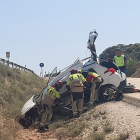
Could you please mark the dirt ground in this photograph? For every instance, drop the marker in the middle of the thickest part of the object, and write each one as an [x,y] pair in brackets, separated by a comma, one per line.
[124,118]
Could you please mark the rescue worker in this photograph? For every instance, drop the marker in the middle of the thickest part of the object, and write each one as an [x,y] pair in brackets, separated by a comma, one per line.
[120,60]
[76,83]
[93,78]
[49,98]
[92,37]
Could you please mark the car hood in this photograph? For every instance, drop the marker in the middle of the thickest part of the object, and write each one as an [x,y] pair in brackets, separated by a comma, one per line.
[28,105]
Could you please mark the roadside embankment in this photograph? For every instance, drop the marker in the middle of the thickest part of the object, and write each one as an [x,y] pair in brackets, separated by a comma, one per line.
[107,121]
[16,87]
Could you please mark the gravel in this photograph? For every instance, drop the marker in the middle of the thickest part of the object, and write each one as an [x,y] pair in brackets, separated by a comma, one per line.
[123,117]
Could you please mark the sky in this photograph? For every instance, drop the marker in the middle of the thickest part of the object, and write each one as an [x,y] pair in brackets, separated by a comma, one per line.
[55,32]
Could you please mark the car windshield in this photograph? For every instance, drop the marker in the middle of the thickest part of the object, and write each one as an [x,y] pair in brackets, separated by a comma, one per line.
[91,61]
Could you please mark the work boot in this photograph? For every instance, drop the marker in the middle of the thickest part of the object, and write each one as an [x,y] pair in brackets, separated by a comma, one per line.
[80,112]
[75,115]
[42,130]
[36,125]
[95,102]
[90,105]
[47,123]
[84,108]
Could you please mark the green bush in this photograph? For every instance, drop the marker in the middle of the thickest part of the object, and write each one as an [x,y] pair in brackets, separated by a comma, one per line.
[132,66]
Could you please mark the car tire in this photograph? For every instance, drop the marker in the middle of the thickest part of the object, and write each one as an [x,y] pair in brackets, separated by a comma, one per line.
[108,93]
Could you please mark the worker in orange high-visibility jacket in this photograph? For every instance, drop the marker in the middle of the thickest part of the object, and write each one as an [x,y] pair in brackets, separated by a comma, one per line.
[93,78]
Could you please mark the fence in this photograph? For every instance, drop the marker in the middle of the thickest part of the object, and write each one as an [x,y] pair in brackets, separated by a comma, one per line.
[13,65]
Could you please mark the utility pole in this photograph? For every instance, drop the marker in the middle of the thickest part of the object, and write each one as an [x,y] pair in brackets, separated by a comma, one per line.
[8,56]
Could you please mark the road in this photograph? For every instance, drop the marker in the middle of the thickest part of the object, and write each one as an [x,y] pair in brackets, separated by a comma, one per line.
[135,81]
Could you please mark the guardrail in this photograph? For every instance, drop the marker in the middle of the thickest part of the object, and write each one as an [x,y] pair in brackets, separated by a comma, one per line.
[14,65]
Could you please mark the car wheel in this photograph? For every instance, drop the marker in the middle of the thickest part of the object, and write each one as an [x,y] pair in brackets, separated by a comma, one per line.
[108,93]
[30,117]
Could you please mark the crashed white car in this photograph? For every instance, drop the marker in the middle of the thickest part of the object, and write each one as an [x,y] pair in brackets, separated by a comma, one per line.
[113,83]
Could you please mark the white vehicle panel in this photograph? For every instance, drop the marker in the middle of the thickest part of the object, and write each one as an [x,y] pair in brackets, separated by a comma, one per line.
[28,105]
[115,79]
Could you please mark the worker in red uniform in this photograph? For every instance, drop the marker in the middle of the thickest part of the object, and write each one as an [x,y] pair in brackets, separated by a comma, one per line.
[93,78]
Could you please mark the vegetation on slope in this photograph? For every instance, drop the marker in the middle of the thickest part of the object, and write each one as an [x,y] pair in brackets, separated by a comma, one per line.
[16,87]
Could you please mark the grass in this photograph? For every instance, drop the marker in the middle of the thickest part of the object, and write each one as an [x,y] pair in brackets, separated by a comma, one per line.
[56,125]
[97,136]
[88,118]
[67,129]
[102,112]
[104,117]
[96,115]
[16,88]
[95,128]
[107,127]
[75,130]
[123,136]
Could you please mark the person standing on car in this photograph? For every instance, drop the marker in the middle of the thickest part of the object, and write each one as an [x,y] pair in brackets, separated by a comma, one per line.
[93,78]
[92,37]
[120,60]
[76,83]
[49,98]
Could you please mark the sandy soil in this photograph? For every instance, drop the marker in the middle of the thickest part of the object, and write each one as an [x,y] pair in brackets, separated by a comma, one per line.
[125,118]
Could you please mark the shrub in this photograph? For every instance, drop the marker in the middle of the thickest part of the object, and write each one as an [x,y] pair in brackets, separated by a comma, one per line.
[95,128]
[102,112]
[75,130]
[56,125]
[132,66]
[123,136]
[95,115]
[97,136]
[107,127]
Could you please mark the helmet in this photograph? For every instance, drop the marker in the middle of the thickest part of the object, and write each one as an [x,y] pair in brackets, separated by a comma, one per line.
[59,83]
[118,49]
[73,71]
